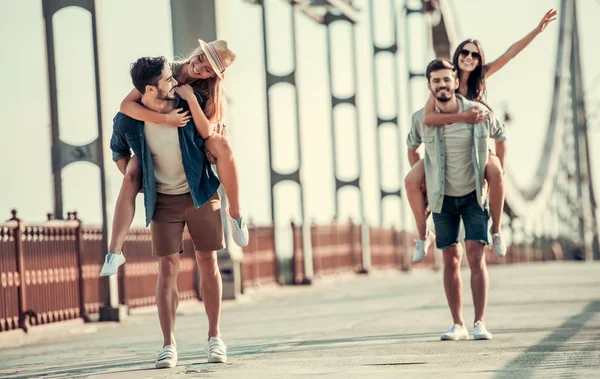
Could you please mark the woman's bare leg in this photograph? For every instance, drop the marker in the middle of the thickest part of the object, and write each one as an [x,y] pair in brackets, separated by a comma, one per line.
[125,206]
[415,192]
[494,174]
[416,197]
[219,147]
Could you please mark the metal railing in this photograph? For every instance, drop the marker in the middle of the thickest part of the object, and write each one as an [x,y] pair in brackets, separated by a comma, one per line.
[50,272]
[260,265]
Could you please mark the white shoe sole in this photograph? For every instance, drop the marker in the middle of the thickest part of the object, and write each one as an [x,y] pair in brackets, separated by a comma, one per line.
[165,364]
[218,353]
[428,242]
[482,337]
[167,358]
[217,360]
[498,251]
[499,255]
[418,258]
[102,274]
[108,270]
[241,241]
[241,237]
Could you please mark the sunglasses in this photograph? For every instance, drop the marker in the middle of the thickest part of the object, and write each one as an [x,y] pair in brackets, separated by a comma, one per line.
[465,53]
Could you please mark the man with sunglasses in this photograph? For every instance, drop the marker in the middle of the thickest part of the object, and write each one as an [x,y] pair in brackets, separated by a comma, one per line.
[455,158]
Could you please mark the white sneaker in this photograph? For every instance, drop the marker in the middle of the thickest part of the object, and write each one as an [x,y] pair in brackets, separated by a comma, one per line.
[499,245]
[112,262]
[480,332]
[216,351]
[422,246]
[239,231]
[455,333]
[167,357]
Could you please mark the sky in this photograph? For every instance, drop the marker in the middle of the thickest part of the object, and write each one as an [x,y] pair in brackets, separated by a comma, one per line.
[134,28]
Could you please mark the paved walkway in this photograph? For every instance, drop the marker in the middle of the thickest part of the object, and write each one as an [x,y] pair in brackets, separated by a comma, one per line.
[545,319]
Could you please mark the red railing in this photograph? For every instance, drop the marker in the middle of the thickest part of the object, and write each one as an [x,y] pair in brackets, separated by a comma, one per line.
[260,264]
[298,273]
[333,248]
[51,280]
[491,258]
[139,275]
[430,259]
[92,257]
[50,272]
[515,254]
[338,248]
[386,250]
[10,280]
[521,254]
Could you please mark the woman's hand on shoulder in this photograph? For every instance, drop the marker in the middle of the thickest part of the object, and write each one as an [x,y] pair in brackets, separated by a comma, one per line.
[186,92]
[475,115]
[177,117]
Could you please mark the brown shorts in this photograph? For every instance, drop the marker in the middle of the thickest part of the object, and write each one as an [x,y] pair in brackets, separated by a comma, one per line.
[173,212]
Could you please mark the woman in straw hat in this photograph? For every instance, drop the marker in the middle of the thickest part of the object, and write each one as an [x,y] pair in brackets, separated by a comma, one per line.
[203,72]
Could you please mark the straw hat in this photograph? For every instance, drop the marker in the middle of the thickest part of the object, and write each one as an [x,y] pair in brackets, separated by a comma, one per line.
[218,54]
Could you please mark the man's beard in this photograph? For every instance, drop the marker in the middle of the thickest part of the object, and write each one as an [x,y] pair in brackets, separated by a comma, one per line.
[443,98]
[165,96]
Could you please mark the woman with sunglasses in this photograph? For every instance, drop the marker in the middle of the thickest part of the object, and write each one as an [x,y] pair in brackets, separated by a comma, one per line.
[472,72]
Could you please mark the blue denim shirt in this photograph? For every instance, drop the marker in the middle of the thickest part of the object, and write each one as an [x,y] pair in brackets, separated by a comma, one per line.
[128,134]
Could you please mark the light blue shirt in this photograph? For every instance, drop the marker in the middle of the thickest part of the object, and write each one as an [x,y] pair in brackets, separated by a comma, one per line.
[435,152]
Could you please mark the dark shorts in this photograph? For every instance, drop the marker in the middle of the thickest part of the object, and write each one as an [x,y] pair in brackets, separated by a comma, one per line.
[174,212]
[447,223]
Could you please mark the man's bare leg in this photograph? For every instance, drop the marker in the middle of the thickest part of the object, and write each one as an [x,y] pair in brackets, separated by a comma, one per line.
[211,290]
[167,297]
[479,278]
[453,283]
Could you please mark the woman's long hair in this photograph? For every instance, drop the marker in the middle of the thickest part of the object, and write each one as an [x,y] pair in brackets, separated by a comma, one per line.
[476,88]
[211,90]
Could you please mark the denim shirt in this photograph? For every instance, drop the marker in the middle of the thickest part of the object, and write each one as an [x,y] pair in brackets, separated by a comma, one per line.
[434,159]
[128,134]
